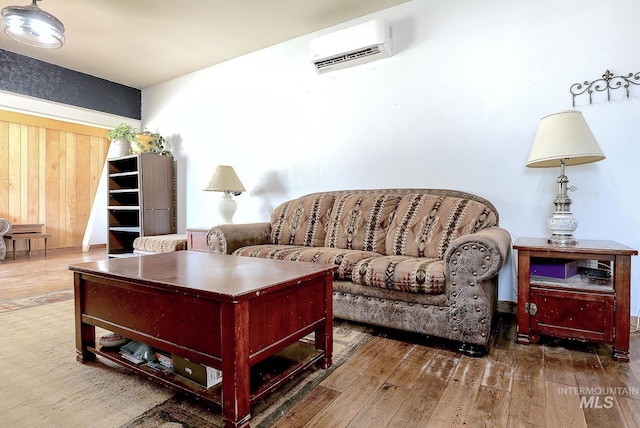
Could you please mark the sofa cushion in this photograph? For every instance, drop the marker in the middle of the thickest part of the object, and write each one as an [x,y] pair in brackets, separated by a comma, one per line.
[345,259]
[160,243]
[360,222]
[302,221]
[425,224]
[403,273]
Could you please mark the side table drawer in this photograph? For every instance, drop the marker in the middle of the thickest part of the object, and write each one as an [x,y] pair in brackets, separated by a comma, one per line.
[582,316]
[26,228]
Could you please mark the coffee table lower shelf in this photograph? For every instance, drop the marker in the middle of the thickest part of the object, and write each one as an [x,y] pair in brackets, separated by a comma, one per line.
[266,376]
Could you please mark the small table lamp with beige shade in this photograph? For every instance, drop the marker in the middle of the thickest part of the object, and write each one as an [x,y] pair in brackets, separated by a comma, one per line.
[563,139]
[226,181]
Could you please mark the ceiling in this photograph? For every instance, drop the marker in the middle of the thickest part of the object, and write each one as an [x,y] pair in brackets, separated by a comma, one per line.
[140,43]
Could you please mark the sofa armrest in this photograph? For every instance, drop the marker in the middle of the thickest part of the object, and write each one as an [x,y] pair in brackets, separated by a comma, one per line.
[478,256]
[4,226]
[471,266]
[227,238]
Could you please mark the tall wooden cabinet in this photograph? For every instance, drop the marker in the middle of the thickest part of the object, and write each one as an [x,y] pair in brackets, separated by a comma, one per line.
[141,194]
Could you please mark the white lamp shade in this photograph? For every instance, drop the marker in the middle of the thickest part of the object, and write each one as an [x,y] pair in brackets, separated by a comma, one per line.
[225,180]
[564,135]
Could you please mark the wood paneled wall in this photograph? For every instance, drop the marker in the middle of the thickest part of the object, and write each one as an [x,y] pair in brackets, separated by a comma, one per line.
[49,173]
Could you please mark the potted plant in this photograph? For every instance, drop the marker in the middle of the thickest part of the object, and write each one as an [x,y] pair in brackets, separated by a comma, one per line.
[151,142]
[121,138]
[122,132]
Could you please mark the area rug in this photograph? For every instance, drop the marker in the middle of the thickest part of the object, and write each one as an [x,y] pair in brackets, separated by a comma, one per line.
[44,385]
[38,300]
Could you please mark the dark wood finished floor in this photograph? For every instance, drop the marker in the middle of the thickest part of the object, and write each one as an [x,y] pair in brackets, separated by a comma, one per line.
[396,380]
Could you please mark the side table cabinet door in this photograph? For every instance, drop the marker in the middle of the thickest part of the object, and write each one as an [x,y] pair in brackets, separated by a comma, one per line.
[197,240]
[574,315]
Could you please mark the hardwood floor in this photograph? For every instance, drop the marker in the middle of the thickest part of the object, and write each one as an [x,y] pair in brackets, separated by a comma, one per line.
[391,382]
[399,380]
[33,276]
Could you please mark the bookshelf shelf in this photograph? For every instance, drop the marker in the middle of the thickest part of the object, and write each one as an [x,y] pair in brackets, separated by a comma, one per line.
[141,200]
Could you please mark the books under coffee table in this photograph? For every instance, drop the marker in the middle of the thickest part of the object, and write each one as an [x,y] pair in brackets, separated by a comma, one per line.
[140,353]
[231,313]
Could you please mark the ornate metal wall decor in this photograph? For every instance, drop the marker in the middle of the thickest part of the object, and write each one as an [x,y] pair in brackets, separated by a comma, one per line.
[607,83]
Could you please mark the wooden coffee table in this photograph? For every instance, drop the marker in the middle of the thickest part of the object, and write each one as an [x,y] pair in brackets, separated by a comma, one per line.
[226,312]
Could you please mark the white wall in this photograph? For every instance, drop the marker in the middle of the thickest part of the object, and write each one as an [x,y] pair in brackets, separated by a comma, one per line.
[457,106]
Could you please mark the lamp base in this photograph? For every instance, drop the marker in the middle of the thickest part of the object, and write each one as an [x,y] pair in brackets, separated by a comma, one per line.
[562,225]
[562,240]
[227,208]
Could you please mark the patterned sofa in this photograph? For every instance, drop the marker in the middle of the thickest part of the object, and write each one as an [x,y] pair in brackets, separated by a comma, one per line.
[419,260]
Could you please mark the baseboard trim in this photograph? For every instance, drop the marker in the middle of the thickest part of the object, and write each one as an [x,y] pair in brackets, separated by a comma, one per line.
[40,251]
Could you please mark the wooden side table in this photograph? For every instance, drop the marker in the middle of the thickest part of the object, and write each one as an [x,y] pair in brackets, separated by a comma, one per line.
[197,239]
[575,308]
[26,232]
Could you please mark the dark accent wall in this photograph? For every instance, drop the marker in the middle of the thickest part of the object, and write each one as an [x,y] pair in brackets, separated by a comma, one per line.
[27,76]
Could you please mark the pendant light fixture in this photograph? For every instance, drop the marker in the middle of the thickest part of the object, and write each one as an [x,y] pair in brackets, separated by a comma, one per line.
[33,26]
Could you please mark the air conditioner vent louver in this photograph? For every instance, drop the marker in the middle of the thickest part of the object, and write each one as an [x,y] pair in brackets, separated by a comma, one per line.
[352,46]
[347,57]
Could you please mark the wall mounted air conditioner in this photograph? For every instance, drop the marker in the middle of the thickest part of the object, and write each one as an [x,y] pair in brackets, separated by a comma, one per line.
[352,46]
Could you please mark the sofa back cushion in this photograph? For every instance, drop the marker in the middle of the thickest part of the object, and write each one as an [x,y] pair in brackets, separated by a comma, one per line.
[302,221]
[424,224]
[360,221]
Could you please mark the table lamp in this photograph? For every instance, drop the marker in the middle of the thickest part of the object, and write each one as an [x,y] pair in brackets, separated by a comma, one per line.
[563,139]
[225,180]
